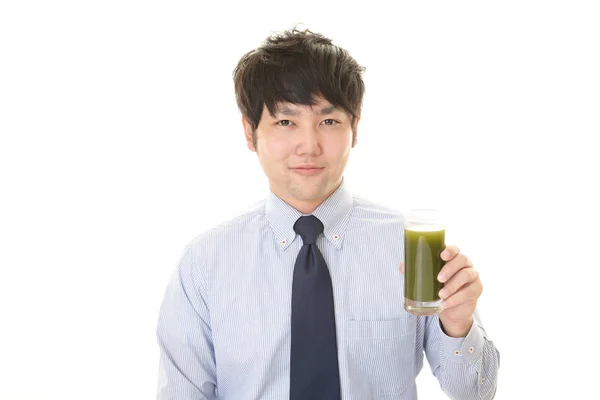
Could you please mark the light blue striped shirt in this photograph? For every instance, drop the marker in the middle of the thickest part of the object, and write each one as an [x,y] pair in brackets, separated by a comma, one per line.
[224,324]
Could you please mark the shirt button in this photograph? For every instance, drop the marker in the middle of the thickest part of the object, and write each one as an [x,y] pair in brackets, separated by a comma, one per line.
[336,236]
[471,349]
[457,352]
[482,380]
[283,242]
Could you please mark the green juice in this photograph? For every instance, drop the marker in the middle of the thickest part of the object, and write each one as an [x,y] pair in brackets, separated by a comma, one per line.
[422,263]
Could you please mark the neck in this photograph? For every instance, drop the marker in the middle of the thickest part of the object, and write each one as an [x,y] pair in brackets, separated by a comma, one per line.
[305,206]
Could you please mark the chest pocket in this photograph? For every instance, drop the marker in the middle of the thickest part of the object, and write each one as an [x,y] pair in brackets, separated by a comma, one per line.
[382,353]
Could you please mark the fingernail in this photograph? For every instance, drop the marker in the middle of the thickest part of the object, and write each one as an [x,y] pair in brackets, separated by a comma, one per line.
[441,277]
[443,293]
[445,254]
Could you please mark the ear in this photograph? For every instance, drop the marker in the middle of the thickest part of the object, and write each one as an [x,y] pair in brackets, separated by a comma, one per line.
[248,134]
[355,131]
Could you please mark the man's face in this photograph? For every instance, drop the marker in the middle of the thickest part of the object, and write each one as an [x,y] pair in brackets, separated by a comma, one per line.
[303,151]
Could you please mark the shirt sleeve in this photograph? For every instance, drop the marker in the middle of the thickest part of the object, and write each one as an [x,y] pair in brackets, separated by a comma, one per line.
[187,360]
[466,368]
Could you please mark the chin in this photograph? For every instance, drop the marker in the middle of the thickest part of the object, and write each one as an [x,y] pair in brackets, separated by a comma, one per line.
[314,194]
[309,191]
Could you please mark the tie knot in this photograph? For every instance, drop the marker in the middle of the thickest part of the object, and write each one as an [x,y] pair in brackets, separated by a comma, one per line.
[309,228]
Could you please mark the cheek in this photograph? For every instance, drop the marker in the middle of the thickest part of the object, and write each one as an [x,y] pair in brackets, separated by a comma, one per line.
[276,149]
[340,149]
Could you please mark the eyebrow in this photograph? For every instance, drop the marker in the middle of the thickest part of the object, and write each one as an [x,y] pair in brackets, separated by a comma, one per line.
[285,110]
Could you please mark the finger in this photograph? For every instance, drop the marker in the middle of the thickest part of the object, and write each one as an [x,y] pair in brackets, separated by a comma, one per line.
[402,267]
[452,267]
[462,278]
[449,253]
[469,293]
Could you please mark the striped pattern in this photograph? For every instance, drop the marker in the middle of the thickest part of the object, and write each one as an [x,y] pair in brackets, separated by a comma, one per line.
[224,324]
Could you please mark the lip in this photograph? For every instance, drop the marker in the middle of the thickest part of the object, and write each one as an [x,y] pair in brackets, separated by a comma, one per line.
[307,170]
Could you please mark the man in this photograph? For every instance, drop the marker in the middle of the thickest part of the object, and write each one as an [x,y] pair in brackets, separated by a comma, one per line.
[301,297]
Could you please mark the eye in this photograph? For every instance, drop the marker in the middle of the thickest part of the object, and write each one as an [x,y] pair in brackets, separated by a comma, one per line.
[284,122]
[330,122]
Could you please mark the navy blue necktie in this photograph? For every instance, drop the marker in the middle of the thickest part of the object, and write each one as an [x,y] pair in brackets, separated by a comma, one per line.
[314,371]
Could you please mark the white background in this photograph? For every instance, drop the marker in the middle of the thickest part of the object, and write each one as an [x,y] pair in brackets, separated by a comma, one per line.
[121,141]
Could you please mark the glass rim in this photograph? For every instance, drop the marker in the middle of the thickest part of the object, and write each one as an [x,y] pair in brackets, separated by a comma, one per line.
[425,216]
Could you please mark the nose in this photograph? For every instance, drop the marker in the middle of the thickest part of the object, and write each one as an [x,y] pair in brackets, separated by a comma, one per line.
[309,142]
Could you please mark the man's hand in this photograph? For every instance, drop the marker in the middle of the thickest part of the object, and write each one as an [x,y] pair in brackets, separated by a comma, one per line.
[462,288]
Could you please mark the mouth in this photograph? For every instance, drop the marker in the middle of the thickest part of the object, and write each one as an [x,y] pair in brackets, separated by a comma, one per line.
[307,170]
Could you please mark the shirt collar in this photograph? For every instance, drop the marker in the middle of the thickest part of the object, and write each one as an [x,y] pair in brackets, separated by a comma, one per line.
[334,213]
